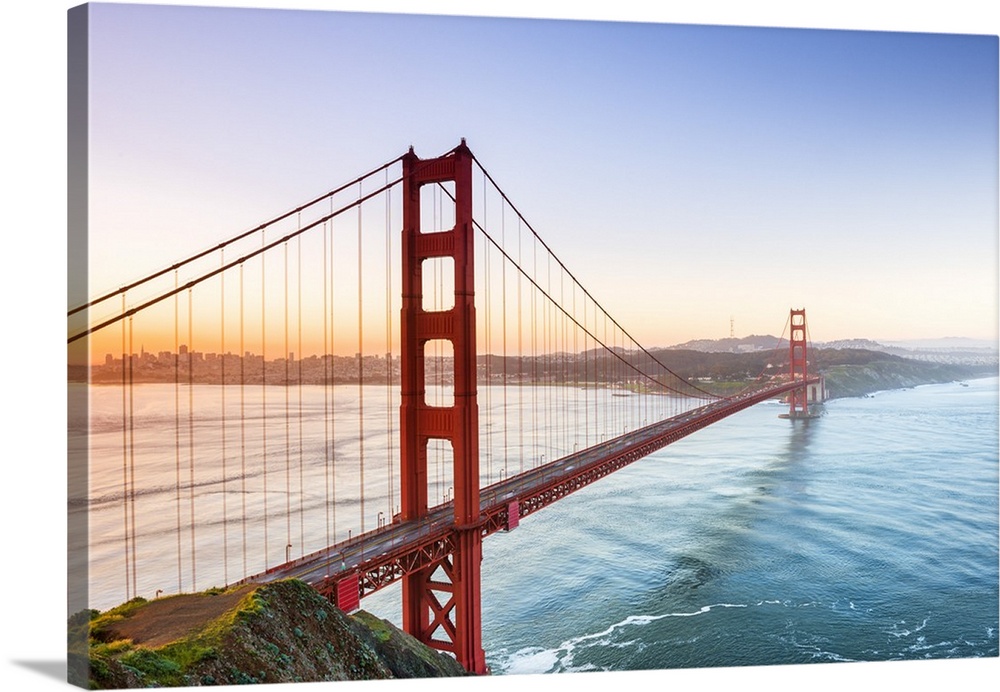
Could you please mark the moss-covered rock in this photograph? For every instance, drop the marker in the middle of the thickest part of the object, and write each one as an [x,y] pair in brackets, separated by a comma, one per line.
[405,656]
[274,633]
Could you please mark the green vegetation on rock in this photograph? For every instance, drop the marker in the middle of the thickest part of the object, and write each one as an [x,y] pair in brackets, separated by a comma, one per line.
[274,633]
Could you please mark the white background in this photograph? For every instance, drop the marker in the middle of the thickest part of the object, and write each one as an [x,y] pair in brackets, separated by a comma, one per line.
[33,43]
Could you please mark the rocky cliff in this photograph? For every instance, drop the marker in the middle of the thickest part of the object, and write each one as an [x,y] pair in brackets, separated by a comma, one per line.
[847,380]
[274,633]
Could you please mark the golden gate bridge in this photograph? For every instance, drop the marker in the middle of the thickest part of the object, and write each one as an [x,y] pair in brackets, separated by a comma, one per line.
[486,383]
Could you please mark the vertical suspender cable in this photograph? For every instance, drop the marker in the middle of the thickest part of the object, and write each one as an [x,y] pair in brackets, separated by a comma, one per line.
[390,458]
[488,349]
[298,312]
[288,439]
[564,423]
[177,432]
[561,412]
[125,532]
[190,354]
[534,355]
[601,391]
[520,361]
[568,379]
[608,377]
[131,454]
[361,373]
[326,391]
[576,376]
[552,332]
[263,389]
[649,392]
[222,357]
[333,396]
[612,422]
[544,366]
[243,430]
[503,293]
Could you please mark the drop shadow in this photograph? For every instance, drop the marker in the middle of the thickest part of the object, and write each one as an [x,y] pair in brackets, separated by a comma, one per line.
[48,668]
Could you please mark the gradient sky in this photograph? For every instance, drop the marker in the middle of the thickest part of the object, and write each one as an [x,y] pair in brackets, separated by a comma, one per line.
[685,174]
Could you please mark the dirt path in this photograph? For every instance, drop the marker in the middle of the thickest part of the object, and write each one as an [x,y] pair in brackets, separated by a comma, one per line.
[164,620]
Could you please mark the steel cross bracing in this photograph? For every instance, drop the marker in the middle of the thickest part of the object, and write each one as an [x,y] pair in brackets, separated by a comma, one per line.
[378,558]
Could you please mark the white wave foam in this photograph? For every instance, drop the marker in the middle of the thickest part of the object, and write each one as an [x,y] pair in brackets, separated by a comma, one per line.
[900,633]
[831,656]
[531,661]
[536,660]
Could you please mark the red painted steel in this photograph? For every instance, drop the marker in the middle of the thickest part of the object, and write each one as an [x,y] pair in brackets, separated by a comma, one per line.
[513,515]
[348,593]
[798,403]
[443,614]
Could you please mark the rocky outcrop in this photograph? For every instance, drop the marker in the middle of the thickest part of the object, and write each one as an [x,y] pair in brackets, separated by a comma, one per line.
[274,633]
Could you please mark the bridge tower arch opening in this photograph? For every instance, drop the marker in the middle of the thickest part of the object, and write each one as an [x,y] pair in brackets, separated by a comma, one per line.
[441,602]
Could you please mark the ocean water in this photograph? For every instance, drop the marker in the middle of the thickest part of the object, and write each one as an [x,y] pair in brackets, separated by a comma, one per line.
[869,534]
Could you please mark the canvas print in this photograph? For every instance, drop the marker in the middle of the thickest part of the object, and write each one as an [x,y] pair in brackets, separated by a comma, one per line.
[409,346]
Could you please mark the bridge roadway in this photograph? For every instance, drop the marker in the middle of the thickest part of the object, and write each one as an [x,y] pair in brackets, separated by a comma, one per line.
[378,558]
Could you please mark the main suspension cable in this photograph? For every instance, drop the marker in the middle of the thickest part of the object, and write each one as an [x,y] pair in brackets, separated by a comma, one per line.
[552,302]
[586,292]
[241,236]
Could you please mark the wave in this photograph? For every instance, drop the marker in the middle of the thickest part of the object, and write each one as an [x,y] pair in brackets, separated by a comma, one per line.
[560,659]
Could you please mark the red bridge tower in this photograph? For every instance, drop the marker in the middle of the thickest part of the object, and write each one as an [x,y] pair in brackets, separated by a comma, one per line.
[798,399]
[441,603]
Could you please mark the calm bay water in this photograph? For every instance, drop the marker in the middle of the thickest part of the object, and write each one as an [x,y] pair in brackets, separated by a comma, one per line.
[868,534]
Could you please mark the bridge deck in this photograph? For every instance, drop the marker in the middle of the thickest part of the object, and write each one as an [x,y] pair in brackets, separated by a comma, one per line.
[377,558]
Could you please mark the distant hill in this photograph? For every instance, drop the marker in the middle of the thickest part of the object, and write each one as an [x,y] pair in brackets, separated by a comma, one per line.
[890,372]
[949,351]
[948,343]
[849,371]
[865,344]
[730,345]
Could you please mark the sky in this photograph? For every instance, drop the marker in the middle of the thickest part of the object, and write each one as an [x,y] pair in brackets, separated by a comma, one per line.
[696,179]
[873,161]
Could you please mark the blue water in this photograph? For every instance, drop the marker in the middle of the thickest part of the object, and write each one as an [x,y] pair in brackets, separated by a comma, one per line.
[869,534]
